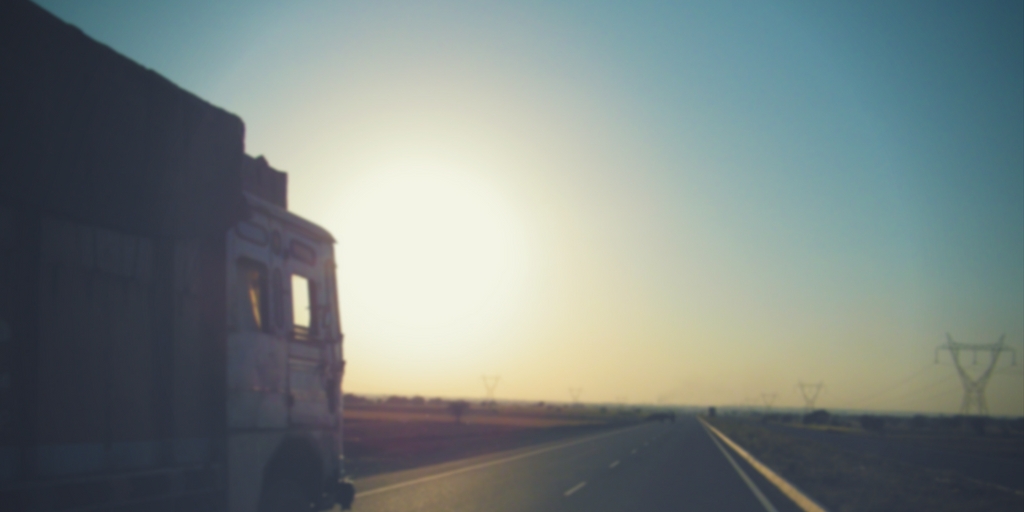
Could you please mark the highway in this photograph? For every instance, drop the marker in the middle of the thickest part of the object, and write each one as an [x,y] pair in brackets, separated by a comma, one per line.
[650,467]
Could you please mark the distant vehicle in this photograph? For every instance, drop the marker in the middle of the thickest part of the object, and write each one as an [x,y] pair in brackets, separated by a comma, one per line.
[169,332]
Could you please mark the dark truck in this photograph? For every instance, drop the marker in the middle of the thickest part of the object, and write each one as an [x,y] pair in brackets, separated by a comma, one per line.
[169,332]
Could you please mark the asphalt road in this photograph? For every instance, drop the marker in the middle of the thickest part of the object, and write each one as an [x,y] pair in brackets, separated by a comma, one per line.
[650,467]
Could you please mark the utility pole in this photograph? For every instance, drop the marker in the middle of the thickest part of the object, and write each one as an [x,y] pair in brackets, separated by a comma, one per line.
[974,389]
[769,400]
[575,394]
[810,393]
[490,384]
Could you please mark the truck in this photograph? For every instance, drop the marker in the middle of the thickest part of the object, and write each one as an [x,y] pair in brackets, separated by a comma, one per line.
[170,334]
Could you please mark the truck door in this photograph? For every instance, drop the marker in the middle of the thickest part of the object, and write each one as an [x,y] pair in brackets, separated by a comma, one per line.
[257,386]
[311,344]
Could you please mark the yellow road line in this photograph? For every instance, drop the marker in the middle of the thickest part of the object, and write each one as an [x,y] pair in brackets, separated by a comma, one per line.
[801,499]
[765,502]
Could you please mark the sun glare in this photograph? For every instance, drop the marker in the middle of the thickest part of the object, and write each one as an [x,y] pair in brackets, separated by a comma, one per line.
[439,253]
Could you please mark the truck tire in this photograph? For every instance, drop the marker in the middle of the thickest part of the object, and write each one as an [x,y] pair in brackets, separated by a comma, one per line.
[285,495]
[345,494]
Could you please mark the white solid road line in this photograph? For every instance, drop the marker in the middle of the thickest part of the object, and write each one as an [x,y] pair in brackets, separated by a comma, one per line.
[746,479]
[801,499]
[575,488]
[613,464]
[490,463]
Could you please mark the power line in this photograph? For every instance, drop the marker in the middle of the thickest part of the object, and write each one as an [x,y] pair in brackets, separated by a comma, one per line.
[936,392]
[906,380]
[928,387]
[934,388]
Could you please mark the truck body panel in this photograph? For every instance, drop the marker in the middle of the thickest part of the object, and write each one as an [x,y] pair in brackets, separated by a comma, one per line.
[144,358]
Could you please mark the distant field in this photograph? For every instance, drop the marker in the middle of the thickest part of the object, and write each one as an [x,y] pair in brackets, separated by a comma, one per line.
[843,473]
[502,417]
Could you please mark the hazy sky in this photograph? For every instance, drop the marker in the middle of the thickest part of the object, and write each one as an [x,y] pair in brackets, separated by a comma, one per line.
[675,202]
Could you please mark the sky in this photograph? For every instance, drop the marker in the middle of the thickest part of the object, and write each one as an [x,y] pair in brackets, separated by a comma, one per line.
[695,203]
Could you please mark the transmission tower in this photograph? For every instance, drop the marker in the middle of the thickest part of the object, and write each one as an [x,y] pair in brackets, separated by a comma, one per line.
[974,389]
[810,393]
[490,384]
[769,400]
[575,394]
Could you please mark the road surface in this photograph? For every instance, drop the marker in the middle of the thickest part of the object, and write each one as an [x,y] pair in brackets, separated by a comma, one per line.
[650,467]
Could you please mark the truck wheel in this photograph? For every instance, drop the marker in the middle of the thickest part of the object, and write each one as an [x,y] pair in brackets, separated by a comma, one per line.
[345,494]
[285,495]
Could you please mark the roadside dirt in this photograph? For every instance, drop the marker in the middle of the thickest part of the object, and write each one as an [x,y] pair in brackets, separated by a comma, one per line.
[856,480]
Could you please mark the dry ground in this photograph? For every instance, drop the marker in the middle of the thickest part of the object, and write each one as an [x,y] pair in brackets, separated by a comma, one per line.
[845,480]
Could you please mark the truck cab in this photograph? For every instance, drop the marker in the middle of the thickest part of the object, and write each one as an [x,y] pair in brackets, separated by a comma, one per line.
[284,363]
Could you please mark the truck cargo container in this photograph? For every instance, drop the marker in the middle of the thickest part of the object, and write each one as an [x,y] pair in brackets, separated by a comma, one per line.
[170,337]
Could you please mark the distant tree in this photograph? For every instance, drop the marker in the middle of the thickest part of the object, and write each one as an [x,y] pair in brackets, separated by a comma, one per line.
[978,424]
[872,423]
[397,400]
[1009,426]
[354,399]
[949,422]
[818,417]
[1012,426]
[457,409]
[918,421]
[418,400]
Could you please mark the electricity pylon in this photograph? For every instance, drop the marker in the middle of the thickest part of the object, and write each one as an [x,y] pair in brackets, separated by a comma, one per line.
[575,394]
[769,400]
[974,389]
[490,384]
[810,393]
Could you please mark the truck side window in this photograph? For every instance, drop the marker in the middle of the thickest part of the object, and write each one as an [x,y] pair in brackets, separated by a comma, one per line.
[252,296]
[301,310]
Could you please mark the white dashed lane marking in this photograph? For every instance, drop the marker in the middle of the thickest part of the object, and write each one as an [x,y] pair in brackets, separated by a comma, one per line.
[613,464]
[575,488]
